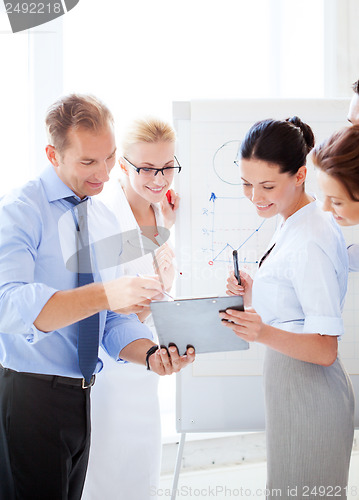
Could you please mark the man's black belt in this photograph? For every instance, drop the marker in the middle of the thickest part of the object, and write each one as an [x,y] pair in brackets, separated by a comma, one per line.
[57,379]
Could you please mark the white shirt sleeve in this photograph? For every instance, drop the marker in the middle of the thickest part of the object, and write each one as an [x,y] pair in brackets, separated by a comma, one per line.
[316,285]
[353,254]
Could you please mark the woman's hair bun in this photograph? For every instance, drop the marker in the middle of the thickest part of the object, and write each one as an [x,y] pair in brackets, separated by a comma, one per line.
[282,142]
[306,131]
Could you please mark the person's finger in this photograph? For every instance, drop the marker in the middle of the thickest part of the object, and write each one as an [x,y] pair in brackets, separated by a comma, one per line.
[147,294]
[175,200]
[250,310]
[175,358]
[137,308]
[150,282]
[189,357]
[165,250]
[176,203]
[190,350]
[166,360]
[236,289]
[164,267]
[225,317]
[239,330]
[233,313]
[171,344]
[144,303]
[164,258]
[155,363]
[148,277]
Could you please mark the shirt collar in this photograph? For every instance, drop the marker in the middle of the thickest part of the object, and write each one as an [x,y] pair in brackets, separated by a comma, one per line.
[55,189]
[307,208]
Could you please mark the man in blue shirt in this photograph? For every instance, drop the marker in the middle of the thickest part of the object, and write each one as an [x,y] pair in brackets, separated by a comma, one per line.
[44,399]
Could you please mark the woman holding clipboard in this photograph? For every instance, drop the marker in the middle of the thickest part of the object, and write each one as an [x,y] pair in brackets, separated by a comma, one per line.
[297,297]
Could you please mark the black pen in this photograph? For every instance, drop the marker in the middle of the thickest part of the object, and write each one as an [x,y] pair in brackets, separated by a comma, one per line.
[236,269]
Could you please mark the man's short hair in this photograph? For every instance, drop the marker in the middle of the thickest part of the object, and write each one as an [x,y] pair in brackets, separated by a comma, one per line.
[356,87]
[73,112]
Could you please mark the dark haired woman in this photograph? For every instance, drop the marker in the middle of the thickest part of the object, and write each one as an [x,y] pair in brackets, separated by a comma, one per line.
[298,292]
[337,160]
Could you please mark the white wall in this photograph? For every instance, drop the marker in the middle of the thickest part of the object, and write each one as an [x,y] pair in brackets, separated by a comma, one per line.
[341,46]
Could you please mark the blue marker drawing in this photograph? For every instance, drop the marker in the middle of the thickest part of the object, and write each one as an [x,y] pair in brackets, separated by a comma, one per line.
[222,255]
[213,197]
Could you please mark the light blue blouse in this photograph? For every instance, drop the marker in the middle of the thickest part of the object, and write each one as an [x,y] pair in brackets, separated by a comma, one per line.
[301,285]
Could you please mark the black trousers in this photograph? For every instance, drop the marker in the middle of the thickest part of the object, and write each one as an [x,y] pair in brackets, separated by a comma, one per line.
[44,438]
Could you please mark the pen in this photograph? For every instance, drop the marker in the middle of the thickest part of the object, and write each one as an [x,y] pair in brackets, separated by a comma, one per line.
[236,269]
[167,295]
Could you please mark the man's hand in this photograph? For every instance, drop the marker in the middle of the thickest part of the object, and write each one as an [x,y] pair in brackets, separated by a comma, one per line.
[166,363]
[130,294]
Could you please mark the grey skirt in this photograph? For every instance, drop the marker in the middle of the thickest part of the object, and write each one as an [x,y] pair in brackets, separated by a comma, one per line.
[309,428]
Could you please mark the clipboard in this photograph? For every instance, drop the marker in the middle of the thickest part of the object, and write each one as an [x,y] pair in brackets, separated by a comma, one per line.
[196,322]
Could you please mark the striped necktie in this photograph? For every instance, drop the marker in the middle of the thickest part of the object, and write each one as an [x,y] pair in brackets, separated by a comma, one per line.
[88,333]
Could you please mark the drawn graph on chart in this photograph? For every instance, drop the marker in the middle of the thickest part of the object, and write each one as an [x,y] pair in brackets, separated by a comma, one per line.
[246,237]
[228,221]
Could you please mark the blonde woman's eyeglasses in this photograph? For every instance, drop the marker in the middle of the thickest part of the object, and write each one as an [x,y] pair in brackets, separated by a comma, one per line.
[152,172]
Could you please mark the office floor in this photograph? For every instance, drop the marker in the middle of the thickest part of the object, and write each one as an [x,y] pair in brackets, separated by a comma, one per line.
[237,481]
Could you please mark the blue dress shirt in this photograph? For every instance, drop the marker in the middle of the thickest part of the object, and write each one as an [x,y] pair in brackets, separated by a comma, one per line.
[33,268]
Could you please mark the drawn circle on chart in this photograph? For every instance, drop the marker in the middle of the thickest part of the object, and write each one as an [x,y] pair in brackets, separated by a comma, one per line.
[223,163]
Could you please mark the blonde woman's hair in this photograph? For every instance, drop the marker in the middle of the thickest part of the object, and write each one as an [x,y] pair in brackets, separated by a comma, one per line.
[149,130]
[73,112]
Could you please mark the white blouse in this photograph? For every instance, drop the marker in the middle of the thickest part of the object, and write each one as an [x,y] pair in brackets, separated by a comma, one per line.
[115,199]
[125,453]
[301,285]
[353,251]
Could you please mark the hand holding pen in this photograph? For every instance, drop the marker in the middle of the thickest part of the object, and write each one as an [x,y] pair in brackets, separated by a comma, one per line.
[236,268]
[169,206]
[239,282]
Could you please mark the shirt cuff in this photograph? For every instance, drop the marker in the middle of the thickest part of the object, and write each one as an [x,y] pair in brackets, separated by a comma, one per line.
[127,329]
[21,308]
[35,335]
[324,325]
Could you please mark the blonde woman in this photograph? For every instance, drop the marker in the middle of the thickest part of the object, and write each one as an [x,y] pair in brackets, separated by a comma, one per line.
[126,435]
